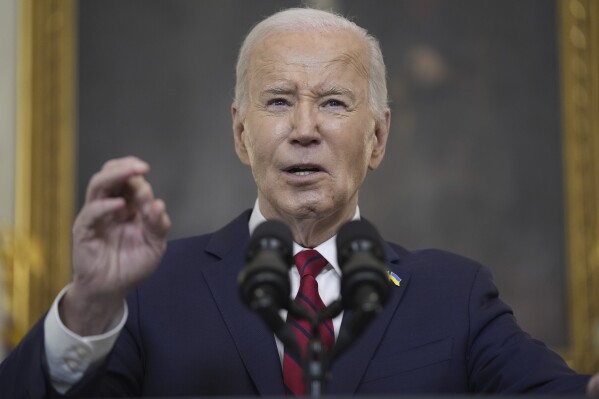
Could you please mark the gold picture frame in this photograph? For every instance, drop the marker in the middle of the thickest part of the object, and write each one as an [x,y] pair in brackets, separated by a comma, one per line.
[579,62]
[37,253]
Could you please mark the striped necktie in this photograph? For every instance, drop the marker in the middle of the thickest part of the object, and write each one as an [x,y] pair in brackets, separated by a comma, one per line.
[309,263]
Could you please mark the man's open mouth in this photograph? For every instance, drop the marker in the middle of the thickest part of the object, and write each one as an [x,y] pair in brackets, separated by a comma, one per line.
[303,170]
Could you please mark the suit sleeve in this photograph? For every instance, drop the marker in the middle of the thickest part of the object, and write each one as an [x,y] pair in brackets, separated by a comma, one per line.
[121,374]
[25,373]
[502,358]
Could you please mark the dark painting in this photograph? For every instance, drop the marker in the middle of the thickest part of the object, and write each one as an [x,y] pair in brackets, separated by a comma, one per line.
[473,163]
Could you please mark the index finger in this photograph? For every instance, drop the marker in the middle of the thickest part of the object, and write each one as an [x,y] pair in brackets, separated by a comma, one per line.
[109,181]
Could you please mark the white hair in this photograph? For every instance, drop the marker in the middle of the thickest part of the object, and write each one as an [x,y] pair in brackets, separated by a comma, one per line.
[302,19]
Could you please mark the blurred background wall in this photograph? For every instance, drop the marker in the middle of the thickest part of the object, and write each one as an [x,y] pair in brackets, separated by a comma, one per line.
[473,163]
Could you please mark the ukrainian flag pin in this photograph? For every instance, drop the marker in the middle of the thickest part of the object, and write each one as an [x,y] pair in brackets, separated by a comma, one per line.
[394,278]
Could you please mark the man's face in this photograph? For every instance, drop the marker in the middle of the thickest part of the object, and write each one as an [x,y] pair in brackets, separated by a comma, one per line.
[308,132]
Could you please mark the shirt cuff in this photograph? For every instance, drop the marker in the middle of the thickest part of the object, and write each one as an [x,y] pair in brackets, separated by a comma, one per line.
[70,355]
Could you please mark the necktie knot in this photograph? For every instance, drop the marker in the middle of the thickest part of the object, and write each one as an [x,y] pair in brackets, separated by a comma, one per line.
[310,263]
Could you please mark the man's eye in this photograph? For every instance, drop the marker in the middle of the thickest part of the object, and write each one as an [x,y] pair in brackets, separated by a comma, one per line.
[278,102]
[334,103]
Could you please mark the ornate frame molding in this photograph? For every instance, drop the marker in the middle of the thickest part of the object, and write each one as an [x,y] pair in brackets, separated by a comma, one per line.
[579,59]
[36,254]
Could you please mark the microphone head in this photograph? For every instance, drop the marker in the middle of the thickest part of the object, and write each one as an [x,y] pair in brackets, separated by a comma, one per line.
[271,235]
[358,236]
[264,281]
[361,257]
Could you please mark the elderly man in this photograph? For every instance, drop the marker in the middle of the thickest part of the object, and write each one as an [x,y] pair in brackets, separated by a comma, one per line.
[310,117]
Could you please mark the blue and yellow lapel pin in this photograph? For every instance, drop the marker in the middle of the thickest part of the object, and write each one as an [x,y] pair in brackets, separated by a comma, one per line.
[394,278]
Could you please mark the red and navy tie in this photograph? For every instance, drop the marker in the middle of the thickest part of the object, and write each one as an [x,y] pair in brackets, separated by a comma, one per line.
[309,263]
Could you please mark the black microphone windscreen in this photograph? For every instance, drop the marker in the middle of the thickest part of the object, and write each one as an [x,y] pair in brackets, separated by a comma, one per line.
[356,229]
[274,235]
[356,232]
[274,229]
[264,281]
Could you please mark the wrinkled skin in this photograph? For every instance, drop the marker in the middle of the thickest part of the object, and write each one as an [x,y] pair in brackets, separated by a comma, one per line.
[308,132]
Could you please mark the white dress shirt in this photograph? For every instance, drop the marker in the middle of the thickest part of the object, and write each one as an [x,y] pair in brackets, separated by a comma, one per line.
[70,355]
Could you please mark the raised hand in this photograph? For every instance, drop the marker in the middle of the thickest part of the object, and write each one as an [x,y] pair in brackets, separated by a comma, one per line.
[119,238]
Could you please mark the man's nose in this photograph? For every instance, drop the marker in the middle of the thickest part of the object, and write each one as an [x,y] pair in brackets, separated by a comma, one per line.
[305,126]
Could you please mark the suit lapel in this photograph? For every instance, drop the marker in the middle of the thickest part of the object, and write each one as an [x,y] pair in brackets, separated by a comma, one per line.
[349,368]
[255,343]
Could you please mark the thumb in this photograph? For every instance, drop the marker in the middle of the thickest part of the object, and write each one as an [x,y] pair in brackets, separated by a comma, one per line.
[156,218]
[593,386]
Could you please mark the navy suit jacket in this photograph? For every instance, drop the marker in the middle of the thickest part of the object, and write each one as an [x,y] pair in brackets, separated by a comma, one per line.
[444,330]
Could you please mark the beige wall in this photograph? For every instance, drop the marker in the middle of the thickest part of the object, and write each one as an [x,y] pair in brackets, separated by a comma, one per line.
[8,18]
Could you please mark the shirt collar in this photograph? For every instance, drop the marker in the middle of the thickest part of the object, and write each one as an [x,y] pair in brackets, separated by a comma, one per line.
[327,249]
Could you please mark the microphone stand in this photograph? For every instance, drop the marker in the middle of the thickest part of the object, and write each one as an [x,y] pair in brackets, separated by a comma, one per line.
[316,370]
[316,366]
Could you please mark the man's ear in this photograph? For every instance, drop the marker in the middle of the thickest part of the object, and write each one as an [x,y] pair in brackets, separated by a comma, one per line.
[381,133]
[238,135]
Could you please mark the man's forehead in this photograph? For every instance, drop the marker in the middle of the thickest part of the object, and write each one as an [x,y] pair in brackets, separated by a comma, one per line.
[322,87]
[354,59]
[326,53]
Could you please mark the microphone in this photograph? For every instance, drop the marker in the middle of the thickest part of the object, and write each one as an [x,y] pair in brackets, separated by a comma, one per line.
[264,281]
[364,282]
